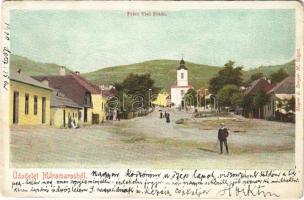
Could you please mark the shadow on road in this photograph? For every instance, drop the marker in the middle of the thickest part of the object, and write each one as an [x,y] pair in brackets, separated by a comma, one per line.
[209,150]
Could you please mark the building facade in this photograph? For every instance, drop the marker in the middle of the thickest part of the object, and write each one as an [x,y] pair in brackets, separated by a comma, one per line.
[64,111]
[29,100]
[85,94]
[162,100]
[279,97]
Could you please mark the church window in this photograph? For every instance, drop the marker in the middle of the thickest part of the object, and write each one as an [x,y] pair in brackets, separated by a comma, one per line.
[182,75]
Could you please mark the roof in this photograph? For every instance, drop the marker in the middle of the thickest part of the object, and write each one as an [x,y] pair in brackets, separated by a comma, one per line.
[94,89]
[287,86]
[60,101]
[73,86]
[257,85]
[109,92]
[182,65]
[22,77]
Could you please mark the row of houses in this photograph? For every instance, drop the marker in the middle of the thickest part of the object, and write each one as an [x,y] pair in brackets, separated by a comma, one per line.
[279,93]
[56,100]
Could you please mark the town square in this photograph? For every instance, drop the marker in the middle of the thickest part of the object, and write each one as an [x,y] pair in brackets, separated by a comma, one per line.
[151,93]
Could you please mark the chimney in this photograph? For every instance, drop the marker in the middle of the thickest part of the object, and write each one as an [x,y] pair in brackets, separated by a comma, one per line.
[269,81]
[77,73]
[62,71]
[102,87]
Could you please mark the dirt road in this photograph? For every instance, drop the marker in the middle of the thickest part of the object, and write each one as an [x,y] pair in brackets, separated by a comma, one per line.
[150,142]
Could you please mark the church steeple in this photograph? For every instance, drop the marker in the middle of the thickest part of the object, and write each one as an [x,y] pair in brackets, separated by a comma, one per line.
[182,74]
[182,65]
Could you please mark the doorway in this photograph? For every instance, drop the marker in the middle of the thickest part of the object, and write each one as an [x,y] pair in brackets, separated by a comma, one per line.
[16,108]
[43,110]
[63,118]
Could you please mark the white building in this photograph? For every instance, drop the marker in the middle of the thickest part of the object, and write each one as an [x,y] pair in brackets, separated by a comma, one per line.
[181,86]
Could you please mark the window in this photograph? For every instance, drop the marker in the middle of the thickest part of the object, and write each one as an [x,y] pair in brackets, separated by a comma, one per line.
[102,106]
[182,92]
[26,109]
[35,105]
[182,75]
[87,99]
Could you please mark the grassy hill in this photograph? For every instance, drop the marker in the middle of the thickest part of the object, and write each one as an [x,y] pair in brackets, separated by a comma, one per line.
[267,70]
[33,68]
[162,71]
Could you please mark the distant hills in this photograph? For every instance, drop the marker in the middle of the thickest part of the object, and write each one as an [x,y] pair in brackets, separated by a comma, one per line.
[33,68]
[162,71]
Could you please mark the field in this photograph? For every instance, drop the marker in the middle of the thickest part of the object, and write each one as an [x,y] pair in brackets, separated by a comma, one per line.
[150,142]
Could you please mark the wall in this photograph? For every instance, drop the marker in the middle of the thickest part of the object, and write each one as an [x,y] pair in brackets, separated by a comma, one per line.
[89,121]
[99,103]
[57,116]
[176,96]
[29,119]
[182,81]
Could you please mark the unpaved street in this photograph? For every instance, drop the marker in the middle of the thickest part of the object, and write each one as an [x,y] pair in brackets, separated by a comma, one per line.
[150,142]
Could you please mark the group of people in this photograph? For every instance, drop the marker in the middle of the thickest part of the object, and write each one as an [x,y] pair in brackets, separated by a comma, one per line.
[113,115]
[165,115]
[72,122]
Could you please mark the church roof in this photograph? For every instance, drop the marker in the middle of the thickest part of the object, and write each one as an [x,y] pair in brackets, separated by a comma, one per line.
[182,65]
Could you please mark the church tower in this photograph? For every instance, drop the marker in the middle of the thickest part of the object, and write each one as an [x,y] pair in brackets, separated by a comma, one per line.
[182,74]
[181,86]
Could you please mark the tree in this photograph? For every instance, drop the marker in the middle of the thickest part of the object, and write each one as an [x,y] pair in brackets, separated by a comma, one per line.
[248,105]
[260,100]
[228,75]
[256,76]
[134,91]
[190,97]
[237,99]
[228,96]
[290,104]
[279,75]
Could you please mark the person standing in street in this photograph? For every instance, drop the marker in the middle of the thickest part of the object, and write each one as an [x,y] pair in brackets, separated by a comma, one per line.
[222,137]
[168,117]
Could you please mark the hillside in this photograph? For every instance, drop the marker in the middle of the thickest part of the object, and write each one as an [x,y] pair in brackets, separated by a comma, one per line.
[33,68]
[162,71]
[267,70]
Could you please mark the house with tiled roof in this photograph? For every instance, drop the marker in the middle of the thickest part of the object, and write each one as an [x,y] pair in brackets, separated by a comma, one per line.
[29,100]
[81,91]
[63,110]
[261,84]
[280,95]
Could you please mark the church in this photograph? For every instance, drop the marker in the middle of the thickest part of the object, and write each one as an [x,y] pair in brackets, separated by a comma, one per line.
[181,86]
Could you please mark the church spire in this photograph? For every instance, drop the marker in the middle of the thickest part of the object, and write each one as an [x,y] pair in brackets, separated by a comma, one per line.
[182,65]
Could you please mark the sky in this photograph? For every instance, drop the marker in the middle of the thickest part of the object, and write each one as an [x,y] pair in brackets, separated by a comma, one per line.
[90,40]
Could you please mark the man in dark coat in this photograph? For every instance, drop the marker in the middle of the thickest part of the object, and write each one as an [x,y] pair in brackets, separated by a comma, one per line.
[168,117]
[222,137]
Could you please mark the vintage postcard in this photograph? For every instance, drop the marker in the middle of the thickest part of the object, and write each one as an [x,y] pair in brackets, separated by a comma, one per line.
[152,99]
